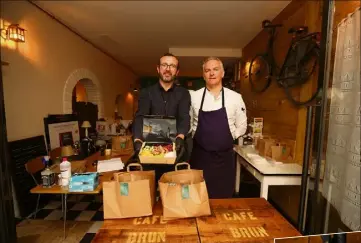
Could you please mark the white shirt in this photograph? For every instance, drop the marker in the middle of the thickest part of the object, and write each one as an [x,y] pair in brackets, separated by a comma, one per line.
[233,102]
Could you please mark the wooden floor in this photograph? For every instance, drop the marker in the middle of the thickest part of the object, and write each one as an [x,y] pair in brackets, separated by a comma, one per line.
[43,231]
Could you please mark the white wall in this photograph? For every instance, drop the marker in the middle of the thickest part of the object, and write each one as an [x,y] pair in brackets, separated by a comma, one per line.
[35,79]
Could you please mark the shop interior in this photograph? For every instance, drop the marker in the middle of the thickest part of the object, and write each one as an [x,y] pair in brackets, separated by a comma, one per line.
[72,71]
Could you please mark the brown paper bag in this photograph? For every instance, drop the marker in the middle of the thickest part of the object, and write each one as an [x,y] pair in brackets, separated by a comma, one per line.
[284,151]
[184,194]
[264,147]
[131,194]
[122,145]
[281,153]
[258,139]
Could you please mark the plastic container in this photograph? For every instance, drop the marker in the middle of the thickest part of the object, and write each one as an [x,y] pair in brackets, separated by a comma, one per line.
[159,134]
[65,170]
[48,177]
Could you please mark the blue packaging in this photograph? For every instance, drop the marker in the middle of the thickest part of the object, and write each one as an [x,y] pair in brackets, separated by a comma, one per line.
[83,182]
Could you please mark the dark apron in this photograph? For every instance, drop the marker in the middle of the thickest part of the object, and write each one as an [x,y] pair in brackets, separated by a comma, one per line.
[213,151]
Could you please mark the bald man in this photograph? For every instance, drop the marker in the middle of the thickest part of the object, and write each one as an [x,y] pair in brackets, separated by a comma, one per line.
[218,117]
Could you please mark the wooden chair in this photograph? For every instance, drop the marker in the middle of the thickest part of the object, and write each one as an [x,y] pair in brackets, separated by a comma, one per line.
[32,167]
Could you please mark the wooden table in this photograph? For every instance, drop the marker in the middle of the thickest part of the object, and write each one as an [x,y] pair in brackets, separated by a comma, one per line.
[148,229]
[232,220]
[243,220]
[89,167]
[269,173]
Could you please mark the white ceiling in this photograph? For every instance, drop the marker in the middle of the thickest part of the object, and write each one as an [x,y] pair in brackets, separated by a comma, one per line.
[137,33]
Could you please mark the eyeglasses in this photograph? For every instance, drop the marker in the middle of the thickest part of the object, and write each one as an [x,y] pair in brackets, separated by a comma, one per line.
[165,66]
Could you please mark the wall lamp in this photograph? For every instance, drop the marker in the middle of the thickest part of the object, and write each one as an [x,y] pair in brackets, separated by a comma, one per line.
[14,32]
[133,88]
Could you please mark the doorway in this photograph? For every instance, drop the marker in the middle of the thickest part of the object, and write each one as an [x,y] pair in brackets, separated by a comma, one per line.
[85,101]
[85,86]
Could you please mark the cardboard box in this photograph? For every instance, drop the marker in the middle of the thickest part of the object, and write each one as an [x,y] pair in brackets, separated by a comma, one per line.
[84,182]
[159,134]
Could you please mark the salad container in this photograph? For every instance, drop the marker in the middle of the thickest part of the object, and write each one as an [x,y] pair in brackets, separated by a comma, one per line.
[159,134]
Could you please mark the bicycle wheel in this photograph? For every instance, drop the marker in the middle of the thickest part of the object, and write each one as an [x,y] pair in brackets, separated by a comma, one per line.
[259,74]
[300,73]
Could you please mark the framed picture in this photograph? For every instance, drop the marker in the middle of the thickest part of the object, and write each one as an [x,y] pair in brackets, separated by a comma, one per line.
[56,119]
[102,128]
[64,133]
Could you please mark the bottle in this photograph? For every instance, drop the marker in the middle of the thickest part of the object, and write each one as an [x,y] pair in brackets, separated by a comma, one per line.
[247,139]
[65,170]
[47,175]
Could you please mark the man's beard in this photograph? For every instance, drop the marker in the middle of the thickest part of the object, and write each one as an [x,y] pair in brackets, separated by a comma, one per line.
[169,79]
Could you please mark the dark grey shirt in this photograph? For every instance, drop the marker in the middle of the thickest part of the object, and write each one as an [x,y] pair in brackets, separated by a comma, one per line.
[154,100]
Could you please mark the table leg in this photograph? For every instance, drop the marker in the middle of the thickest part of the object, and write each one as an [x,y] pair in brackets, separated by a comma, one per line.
[238,174]
[305,213]
[264,190]
[65,209]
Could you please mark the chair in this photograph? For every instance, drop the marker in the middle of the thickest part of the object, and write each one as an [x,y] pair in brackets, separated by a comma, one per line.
[32,167]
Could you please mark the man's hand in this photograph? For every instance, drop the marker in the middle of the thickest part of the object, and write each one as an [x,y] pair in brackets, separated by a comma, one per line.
[179,144]
[179,147]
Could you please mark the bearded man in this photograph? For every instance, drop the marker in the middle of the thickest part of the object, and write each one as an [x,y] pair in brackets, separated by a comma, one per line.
[165,98]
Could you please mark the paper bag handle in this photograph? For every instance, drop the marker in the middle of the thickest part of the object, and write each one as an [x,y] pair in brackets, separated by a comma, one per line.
[135,165]
[183,163]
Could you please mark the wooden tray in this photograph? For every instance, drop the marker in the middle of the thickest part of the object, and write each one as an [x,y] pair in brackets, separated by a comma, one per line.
[243,220]
[148,229]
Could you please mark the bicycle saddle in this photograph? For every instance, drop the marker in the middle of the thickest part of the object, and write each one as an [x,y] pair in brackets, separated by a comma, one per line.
[298,30]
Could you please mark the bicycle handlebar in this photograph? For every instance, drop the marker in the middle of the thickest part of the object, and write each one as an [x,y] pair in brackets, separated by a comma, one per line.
[272,26]
[267,24]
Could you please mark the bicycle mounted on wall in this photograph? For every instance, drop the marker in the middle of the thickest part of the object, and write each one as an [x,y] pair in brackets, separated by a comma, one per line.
[300,63]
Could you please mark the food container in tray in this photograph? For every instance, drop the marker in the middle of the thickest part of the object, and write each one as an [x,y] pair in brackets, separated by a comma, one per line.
[159,134]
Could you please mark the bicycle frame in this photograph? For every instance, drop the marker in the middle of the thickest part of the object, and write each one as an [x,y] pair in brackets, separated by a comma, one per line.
[303,50]
[296,39]
[269,52]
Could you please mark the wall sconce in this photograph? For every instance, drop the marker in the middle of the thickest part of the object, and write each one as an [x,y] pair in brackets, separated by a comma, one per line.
[133,88]
[14,32]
